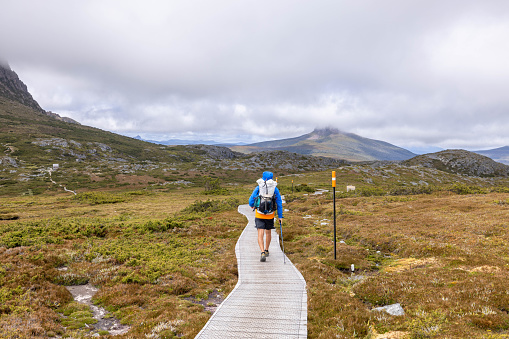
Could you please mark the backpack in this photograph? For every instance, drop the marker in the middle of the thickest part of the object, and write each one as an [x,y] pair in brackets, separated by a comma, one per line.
[265,202]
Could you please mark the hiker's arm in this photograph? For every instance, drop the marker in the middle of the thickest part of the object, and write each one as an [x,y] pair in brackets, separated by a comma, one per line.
[279,203]
[253,196]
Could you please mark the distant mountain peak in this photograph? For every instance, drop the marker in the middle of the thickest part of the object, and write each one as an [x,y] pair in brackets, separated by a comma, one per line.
[500,154]
[326,131]
[331,142]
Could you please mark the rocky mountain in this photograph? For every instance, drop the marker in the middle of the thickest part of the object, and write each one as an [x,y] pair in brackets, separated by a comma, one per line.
[498,154]
[460,162]
[11,87]
[332,143]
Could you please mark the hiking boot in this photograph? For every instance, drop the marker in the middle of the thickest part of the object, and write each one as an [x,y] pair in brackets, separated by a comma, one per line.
[263,257]
[266,253]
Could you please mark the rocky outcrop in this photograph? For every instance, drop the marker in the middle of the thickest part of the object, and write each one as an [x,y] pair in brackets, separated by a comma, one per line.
[69,149]
[13,88]
[58,117]
[217,152]
[460,162]
[8,161]
[294,161]
[280,160]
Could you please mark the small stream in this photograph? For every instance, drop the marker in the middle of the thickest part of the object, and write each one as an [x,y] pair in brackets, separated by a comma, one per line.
[83,294]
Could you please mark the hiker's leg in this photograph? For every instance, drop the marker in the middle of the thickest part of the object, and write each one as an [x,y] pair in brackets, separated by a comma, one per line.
[260,239]
[268,238]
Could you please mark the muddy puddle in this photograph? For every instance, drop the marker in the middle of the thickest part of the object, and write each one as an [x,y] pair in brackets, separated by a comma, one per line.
[83,294]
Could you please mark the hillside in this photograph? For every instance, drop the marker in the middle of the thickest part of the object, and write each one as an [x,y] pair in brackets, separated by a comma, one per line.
[500,154]
[32,140]
[461,162]
[332,143]
[89,158]
[31,137]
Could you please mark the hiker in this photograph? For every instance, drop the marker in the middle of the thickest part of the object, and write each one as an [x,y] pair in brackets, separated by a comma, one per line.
[266,199]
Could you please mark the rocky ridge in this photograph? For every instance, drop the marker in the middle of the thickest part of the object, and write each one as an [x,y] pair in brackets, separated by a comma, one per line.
[11,87]
[281,160]
[216,152]
[460,162]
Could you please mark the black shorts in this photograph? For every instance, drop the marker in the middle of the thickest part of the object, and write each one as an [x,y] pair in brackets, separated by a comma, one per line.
[264,224]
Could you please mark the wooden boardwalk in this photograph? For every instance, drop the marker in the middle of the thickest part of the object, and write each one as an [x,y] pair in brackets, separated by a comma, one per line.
[269,300]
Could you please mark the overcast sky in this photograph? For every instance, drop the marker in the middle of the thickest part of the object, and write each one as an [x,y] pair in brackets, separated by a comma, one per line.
[412,73]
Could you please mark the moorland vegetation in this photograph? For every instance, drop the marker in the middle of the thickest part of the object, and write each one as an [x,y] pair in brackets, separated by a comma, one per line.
[433,241]
[154,228]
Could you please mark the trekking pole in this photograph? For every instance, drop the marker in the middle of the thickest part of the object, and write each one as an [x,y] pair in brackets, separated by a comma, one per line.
[282,241]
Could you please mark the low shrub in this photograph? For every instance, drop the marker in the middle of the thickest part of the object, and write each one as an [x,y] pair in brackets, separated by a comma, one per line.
[292,197]
[78,316]
[371,191]
[304,188]
[50,231]
[500,189]
[161,225]
[211,206]
[426,325]
[9,217]
[98,198]
[219,191]
[419,189]
[71,279]
[460,188]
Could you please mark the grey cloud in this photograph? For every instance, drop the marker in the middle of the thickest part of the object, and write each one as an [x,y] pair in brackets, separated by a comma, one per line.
[388,70]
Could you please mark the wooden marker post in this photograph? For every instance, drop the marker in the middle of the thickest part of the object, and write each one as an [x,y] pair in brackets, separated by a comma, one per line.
[334,204]
[292,186]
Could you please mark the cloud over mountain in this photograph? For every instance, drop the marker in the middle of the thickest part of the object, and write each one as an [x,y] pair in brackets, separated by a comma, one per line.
[410,73]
